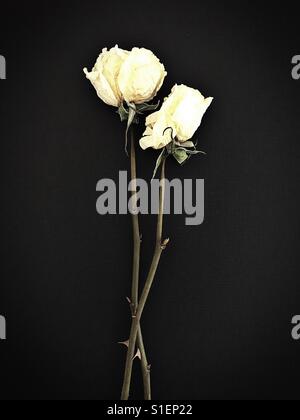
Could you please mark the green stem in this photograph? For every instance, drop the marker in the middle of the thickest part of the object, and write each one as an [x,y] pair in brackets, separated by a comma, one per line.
[145,366]
[136,272]
[159,248]
[136,230]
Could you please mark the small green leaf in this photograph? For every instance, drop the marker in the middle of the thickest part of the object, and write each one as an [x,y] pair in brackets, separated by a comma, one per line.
[180,155]
[123,113]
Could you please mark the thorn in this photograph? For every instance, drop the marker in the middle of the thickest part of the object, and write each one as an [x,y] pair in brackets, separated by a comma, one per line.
[165,243]
[124,343]
[128,300]
[138,355]
[149,368]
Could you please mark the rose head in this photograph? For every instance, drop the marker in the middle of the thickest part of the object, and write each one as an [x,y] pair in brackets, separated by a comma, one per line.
[120,75]
[182,113]
[104,76]
[141,76]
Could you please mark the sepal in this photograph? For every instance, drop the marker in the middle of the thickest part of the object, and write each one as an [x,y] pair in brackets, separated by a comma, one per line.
[130,113]
[123,113]
[141,108]
[181,152]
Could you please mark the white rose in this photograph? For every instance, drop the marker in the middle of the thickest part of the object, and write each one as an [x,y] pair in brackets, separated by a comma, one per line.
[141,76]
[104,76]
[182,111]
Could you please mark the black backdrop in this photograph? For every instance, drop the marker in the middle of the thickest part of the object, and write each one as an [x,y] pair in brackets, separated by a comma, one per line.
[218,324]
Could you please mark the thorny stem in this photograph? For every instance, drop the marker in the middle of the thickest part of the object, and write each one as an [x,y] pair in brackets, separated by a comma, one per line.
[159,248]
[136,272]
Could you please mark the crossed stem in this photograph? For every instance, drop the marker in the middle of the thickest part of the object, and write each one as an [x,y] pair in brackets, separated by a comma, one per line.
[135,326]
[136,272]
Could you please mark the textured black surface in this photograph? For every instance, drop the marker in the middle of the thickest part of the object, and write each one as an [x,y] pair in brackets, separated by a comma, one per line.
[218,324]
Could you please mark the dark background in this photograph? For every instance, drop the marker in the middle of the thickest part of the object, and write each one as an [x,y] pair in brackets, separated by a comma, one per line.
[218,324]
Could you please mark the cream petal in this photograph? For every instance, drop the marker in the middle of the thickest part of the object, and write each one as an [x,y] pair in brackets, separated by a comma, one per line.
[146,142]
[152,119]
[141,76]
[105,74]
[182,112]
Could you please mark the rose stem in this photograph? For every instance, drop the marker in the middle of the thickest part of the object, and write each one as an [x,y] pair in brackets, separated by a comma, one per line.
[136,271]
[159,248]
